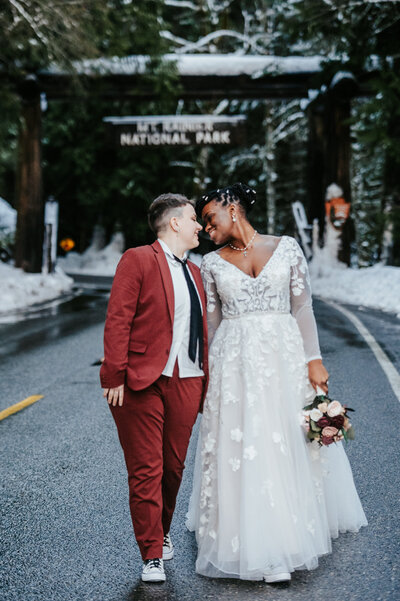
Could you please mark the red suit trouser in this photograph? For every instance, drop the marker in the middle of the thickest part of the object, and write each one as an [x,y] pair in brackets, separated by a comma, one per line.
[154,427]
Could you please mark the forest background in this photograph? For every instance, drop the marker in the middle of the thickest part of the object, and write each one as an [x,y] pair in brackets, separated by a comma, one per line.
[96,184]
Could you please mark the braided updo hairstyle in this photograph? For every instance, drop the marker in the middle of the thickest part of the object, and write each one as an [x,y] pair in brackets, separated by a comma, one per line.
[238,193]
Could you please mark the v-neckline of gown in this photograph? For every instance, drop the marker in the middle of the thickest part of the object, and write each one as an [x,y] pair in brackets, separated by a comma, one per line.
[263,267]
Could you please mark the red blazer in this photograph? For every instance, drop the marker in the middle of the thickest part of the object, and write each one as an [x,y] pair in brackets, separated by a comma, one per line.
[139,322]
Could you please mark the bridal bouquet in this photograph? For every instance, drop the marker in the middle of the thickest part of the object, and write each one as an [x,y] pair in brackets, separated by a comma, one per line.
[326,421]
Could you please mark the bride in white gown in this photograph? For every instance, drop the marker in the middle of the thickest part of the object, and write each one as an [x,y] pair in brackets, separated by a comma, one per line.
[265,502]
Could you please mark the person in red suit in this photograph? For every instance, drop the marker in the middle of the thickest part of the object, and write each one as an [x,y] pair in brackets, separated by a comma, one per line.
[155,369]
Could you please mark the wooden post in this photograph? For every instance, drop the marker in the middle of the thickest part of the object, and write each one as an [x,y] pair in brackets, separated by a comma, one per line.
[29,236]
[316,178]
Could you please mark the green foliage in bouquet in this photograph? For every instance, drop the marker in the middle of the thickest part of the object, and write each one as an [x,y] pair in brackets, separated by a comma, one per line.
[326,421]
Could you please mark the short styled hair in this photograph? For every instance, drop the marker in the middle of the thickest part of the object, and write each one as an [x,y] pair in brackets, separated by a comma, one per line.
[162,209]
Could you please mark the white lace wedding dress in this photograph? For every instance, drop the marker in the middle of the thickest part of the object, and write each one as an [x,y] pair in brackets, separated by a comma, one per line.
[264,500]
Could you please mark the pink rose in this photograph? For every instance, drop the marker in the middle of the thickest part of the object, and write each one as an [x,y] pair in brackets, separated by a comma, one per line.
[323,407]
[334,408]
[329,431]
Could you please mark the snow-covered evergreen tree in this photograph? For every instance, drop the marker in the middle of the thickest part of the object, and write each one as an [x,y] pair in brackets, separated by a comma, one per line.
[277,130]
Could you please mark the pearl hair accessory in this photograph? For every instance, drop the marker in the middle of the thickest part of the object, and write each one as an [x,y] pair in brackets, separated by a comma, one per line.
[253,191]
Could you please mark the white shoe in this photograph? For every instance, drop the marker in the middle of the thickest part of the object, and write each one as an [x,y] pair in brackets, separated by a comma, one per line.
[168,548]
[153,570]
[282,577]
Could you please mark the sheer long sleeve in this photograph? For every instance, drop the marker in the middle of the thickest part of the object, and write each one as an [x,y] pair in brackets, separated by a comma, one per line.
[301,303]
[214,313]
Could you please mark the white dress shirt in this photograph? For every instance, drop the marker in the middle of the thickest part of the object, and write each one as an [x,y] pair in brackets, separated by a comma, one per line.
[181,329]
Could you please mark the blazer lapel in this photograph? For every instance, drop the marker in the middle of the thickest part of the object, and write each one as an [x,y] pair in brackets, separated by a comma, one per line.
[166,277]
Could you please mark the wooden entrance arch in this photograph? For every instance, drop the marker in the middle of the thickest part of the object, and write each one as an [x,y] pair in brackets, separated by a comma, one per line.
[201,77]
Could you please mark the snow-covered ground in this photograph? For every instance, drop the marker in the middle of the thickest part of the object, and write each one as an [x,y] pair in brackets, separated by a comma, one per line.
[8,218]
[95,260]
[377,287]
[19,290]
[101,261]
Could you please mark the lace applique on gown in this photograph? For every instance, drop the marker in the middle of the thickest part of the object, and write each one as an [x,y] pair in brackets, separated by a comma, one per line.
[264,500]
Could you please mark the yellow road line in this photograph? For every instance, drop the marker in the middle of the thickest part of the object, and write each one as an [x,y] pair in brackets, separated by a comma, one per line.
[21,405]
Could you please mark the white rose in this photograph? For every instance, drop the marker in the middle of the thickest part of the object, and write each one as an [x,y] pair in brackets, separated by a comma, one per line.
[315,415]
[334,408]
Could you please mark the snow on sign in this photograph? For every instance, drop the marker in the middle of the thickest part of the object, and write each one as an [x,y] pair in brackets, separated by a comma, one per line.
[177,130]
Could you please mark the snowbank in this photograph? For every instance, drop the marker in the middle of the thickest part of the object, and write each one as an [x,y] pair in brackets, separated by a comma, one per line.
[19,289]
[102,261]
[377,287]
[95,260]
[8,218]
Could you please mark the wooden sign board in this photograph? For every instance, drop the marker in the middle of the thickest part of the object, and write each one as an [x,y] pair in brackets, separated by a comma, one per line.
[177,130]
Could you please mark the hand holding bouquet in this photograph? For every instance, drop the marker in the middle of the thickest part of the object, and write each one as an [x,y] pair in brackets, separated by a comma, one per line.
[326,421]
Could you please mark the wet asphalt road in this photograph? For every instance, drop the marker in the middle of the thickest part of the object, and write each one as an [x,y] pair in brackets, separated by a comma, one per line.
[66,533]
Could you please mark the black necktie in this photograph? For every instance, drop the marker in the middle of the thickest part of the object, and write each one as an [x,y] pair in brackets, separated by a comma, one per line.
[196,319]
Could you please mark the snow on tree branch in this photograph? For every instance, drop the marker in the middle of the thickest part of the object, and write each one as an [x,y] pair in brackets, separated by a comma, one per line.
[250,42]
[29,20]
[182,4]
[282,131]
